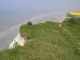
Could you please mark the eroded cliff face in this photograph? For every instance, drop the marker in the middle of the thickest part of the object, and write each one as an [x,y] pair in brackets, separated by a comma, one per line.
[20,39]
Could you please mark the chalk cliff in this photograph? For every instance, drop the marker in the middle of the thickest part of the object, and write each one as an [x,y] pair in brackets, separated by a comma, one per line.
[19,40]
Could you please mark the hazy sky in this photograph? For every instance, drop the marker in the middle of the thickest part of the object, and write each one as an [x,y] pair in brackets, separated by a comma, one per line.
[63,5]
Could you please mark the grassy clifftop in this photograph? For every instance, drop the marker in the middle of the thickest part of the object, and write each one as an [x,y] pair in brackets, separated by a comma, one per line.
[47,41]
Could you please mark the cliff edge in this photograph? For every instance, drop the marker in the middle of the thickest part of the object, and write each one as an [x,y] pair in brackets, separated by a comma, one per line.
[19,40]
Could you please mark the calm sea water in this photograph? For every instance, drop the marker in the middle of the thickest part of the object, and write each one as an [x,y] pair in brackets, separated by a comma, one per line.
[10,23]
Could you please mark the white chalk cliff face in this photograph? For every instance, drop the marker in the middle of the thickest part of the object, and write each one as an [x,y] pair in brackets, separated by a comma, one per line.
[20,40]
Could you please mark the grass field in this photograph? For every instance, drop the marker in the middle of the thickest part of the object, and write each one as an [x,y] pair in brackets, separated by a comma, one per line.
[47,41]
[75,13]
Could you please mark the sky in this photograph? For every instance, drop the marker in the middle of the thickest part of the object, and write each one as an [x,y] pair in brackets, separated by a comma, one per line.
[62,5]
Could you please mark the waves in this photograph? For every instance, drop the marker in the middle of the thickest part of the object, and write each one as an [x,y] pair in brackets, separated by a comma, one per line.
[56,17]
[7,36]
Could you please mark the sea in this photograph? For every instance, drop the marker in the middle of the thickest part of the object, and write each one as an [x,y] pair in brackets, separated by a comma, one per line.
[10,22]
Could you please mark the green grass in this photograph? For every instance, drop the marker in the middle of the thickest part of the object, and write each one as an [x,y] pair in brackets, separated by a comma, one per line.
[47,41]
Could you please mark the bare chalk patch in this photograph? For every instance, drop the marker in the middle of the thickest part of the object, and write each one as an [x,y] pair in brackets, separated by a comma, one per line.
[18,40]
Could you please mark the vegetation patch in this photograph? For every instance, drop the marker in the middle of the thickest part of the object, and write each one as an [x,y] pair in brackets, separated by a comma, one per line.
[47,41]
[72,20]
[29,23]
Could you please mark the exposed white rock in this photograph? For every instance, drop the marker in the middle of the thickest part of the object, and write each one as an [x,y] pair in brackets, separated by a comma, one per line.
[18,40]
[60,25]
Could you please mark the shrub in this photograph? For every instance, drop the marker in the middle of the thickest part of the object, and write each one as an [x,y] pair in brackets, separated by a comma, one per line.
[72,20]
[29,23]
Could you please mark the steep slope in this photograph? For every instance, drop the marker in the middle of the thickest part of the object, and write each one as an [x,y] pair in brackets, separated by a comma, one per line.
[47,41]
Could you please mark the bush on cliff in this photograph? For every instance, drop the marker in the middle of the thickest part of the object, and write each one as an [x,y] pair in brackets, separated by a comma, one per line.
[29,23]
[72,20]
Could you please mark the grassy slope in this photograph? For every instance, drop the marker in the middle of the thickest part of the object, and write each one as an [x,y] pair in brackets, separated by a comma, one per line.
[47,42]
